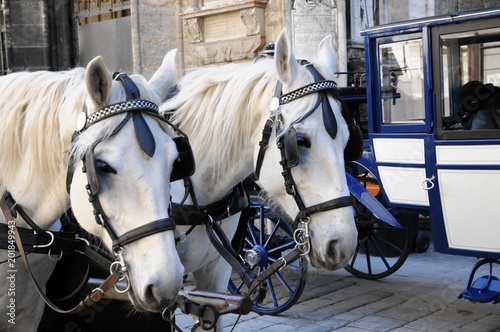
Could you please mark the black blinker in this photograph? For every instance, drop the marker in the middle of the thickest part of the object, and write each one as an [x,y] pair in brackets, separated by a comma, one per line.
[90,169]
[291,148]
[185,165]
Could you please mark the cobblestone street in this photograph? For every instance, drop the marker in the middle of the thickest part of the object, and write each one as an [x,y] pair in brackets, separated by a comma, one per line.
[421,296]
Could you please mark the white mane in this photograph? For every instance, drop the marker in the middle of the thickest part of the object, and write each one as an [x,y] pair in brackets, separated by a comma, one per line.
[219,107]
[38,116]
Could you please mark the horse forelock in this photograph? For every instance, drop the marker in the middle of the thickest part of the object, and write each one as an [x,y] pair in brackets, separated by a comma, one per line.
[87,138]
[219,107]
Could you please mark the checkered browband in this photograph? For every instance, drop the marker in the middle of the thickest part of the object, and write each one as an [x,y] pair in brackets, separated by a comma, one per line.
[121,107]
[308,89]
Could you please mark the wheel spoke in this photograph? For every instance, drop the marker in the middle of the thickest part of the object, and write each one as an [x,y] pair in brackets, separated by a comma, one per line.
[283,247]
[380,253]
[253,234]
[388,243]
[273,233]
[368,261]
[273,237]
[283,282]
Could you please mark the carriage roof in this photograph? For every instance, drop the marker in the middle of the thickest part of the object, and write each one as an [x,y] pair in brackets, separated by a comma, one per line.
[456,17]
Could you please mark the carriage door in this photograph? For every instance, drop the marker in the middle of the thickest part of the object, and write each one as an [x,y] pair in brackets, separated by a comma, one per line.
[465,198]
[104,28]
[398,121]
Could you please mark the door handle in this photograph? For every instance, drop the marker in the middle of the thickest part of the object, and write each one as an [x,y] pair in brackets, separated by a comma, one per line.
[428,184]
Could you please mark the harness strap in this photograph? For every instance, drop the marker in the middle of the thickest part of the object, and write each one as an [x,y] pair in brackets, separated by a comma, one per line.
[264,143]
[39,240]
[14,208]
[223,245]
[89,300]
[38,243]
[292,256]
[235,201]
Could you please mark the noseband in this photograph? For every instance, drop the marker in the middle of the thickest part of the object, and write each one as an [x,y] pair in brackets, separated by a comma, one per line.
[287,144]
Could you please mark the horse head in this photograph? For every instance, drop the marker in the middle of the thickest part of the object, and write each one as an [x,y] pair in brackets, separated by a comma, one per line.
[311,130]
[122,160]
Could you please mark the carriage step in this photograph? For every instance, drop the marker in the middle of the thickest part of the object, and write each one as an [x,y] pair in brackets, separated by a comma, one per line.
[483,289]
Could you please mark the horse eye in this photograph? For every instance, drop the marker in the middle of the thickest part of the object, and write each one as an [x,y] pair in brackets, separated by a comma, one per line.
[104,167]
[302,140]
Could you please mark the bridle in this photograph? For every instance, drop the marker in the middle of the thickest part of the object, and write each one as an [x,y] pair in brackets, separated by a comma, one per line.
[134,107]
[184,166]
[287,144]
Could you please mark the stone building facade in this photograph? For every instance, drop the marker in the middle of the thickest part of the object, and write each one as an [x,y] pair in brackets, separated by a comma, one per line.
[134,35]
[218,31]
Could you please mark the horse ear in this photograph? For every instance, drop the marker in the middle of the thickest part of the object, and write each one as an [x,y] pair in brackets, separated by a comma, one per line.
[165,77]
[326,59]
[286,64]
[98,81]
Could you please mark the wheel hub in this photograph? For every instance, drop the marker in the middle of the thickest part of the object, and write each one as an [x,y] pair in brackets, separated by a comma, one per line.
[256,256]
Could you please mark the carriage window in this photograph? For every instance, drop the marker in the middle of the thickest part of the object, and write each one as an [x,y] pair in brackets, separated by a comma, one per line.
[401,82]
[471,79]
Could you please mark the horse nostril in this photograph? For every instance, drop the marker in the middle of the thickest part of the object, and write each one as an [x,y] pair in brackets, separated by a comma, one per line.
[331,250]
[149,294]
[153,298]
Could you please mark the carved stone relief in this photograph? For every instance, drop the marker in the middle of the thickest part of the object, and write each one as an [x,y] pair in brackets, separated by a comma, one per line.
[215,46]
[193,29]
[228,50]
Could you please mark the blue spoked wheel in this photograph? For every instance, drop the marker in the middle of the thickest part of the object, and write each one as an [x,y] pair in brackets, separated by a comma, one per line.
[268,236]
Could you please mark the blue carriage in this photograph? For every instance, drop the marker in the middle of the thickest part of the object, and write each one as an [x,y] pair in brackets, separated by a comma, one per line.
[432,130]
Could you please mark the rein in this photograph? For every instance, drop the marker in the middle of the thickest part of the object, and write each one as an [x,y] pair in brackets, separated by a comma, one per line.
[89,300]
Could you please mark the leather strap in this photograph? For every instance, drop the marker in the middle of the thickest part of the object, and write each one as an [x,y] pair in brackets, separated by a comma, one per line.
[223,245]
[332,204]
[235,201]
[75,240]
[264,143]
[35,242]
[15,208]
[89,300]
[292,256]
[157,226]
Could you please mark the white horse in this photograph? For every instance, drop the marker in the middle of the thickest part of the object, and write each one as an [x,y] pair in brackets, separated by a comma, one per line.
[223,109]
[129,154]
